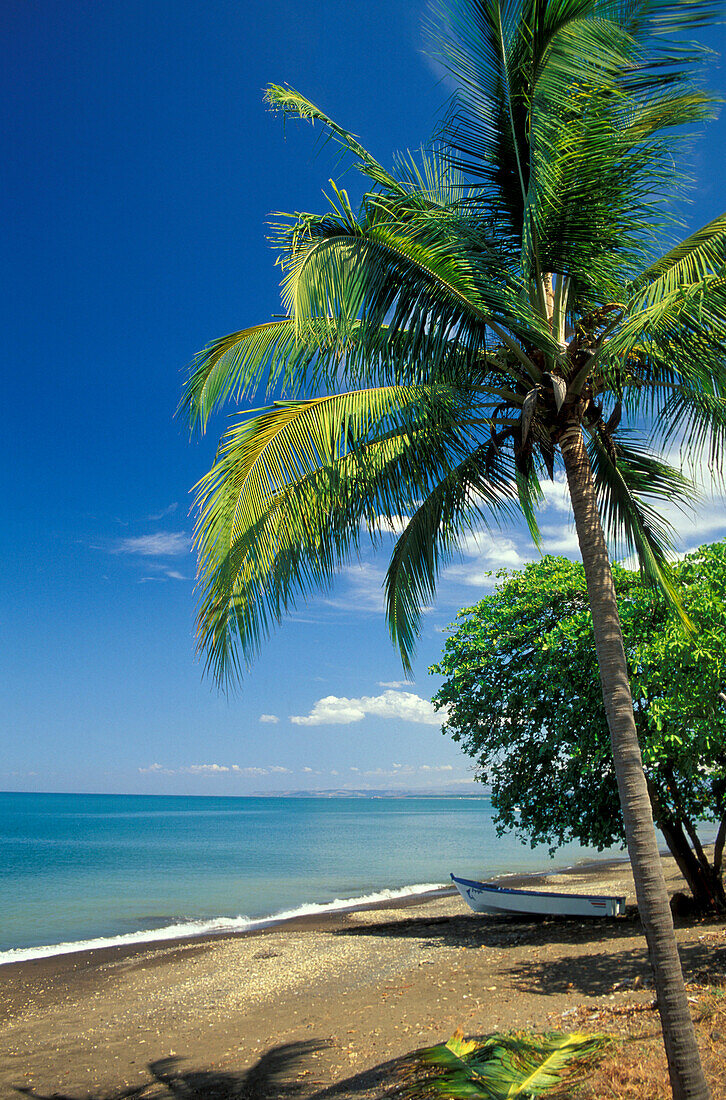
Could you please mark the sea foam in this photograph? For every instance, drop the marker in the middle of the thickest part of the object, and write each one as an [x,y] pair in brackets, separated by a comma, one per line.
[216,926]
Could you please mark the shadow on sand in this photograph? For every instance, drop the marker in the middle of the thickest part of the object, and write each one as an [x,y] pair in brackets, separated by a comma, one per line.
[282,1073]
[596,974]
[505,931]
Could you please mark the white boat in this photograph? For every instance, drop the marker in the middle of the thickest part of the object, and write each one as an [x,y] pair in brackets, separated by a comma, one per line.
[487,897]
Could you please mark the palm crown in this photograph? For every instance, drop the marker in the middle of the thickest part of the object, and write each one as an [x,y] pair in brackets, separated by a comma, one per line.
[509,282]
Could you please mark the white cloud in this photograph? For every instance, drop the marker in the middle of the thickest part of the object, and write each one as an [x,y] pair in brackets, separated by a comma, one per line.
[393,525]
[274,769]
[341,711]
[204,769]
[271,719]
[561,539]
[556,494]
[162,574]
[487,553]
[395,683]
[190,769]
[215,769]
[170,508]
[161,545]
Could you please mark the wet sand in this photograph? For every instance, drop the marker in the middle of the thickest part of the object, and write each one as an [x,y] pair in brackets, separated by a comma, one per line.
[318,1006]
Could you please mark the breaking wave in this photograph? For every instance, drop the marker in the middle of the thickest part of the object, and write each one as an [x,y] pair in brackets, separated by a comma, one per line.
[215,926]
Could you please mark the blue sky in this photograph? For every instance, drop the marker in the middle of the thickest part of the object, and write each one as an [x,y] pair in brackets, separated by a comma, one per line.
[140,170]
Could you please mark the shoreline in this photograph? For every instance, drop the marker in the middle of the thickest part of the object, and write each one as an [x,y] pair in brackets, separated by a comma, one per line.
[395,897]
[73,966]
[321,1005]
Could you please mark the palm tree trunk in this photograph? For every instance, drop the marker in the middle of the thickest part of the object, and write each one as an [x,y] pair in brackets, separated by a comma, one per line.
[684,1065]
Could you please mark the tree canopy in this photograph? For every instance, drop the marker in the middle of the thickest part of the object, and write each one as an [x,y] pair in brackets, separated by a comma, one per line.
[524,701]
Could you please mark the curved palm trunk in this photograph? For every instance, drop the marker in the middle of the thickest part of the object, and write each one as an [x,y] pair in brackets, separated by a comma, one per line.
[686,1074]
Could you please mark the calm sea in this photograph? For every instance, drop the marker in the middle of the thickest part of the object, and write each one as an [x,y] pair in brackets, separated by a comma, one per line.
[94,870]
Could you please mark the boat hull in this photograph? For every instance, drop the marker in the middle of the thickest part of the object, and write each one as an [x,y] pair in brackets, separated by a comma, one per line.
[487,897]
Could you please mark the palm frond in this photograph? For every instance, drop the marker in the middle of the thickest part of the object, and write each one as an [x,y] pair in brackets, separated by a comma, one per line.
[511,1067]
[694,418]
[477,489]
[701,254]
[626,477]
[234,366]
[426,288]
[291,493]
[291,102]
[558,116]
[671,333]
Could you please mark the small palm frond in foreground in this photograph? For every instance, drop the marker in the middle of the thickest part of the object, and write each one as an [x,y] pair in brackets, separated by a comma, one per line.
[511,1067]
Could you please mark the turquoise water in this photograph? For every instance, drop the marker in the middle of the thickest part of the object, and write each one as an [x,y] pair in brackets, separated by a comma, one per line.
[84,870]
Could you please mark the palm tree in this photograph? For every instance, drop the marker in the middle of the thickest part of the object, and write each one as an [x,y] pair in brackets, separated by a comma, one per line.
[505,303]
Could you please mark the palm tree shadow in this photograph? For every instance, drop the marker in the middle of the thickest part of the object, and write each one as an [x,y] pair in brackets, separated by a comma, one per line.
[275,1075]
[279,1074]
[598,974]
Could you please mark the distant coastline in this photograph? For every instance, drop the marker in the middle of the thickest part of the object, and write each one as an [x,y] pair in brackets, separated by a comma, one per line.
[367,793]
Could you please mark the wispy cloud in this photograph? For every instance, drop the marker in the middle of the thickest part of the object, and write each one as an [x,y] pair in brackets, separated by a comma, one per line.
[341,711]
[272,769]
[362,588]
[270,719]
[161,573]
[395,683]
[168,511]
[559,539]
[163,544]
[403,771]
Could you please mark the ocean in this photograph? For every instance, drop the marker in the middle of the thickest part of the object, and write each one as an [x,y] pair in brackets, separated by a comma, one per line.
[79,871]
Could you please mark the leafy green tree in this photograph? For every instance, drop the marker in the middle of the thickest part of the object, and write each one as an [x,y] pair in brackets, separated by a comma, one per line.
[491,310]
[523,698]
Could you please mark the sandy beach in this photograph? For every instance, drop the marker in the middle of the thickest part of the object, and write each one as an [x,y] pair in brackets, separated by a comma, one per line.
[320,1006]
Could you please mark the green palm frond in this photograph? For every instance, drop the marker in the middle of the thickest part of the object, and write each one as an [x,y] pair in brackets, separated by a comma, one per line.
[234,366]
[694,418]
[627,477]
[557,114]
[512,1067]
[692,261]
[291,102]
[674,333]
[291,492]
[289,355]
[476,490]
[389,277]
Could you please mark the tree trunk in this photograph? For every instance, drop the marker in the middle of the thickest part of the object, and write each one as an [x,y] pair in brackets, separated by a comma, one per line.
[699,883]
[719,847]
[684,1064]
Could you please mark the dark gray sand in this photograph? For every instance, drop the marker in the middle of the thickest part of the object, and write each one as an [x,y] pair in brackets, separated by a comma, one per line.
[317,1007]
